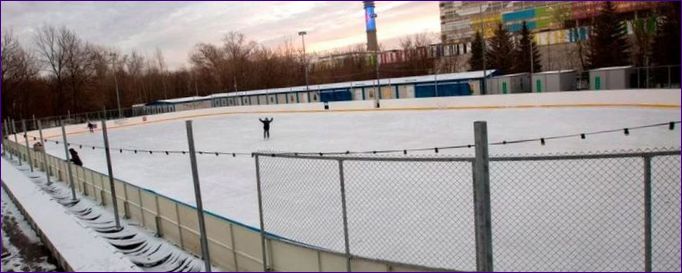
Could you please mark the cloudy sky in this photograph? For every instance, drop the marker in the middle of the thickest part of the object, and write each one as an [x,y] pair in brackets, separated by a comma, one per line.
[175,27]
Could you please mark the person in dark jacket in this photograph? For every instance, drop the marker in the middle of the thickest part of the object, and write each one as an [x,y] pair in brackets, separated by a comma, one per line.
[75,158]
[266,127]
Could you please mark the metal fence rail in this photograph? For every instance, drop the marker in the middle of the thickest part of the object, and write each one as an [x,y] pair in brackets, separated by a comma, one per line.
[605,212]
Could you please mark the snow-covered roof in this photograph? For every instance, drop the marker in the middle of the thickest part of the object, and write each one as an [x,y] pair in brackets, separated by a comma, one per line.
[554,72]
[612,68]
[367,83]
[186,99]
[513,75]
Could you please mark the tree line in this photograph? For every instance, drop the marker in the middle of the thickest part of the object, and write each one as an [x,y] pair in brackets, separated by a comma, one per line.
[61,73]
[608,43]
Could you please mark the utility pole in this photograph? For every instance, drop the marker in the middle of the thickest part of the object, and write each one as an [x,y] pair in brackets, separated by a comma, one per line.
[118,97]
[305,60]
[531,57]
[196,89]
[378,91]
[163,81]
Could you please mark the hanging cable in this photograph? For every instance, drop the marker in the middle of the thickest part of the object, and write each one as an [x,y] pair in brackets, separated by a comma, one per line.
[543,141]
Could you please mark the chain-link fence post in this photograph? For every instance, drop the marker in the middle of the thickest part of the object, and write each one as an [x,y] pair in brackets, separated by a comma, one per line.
[344,215]
[260,215]
[483,230]
[110,171]
[68,162]
[28,147]
[46,165]
[197,194]
[9,132]
[5,139]
[16,141]
[647,214]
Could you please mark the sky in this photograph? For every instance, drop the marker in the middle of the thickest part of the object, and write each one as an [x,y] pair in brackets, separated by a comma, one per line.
[176,27]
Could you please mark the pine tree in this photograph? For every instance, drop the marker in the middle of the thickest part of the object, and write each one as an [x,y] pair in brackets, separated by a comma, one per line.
[666,45]
[476,59]
[501,53]
[608,45]
[522,58]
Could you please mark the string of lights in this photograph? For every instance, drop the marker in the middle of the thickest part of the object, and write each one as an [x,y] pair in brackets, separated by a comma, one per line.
[543,141]
[626,132]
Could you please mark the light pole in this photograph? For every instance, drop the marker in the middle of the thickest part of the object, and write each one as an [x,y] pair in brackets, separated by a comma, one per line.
[531,57]
[305,61]
[377,88]
[483,49]
[118,98]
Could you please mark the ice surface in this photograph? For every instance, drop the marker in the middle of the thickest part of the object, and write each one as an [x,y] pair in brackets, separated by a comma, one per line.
[229,184]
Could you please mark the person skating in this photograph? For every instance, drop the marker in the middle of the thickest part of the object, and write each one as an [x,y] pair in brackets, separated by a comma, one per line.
[91,127]
[266,127]
[75,158]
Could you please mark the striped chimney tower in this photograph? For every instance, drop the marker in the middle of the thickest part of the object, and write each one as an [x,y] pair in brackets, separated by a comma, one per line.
[370,26]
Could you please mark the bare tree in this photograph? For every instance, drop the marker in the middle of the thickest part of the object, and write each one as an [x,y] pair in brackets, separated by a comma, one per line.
[415,54]
[211,60]
[79,67]
[19,68]
[52,56]
[238,51]
[134,64]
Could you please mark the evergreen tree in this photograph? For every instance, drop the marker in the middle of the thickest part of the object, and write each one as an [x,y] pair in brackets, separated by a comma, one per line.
[476,59]
[501,53]
[522,59]
[608,45]
[666,45]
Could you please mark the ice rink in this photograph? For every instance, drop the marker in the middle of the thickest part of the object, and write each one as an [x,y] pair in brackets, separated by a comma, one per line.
[229,183]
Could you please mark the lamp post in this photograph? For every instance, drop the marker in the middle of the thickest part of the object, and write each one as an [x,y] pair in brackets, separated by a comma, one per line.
[118,98]
[305,61]
[377,88]
[483,49]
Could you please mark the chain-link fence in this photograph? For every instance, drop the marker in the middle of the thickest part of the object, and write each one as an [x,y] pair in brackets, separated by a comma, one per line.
[597,212]
[81,118]
[391,206]
[586,212]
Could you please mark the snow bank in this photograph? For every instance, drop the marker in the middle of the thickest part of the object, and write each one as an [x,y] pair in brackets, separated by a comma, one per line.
[78,247]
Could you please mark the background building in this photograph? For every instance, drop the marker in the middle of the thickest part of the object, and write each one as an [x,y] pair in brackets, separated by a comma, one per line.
[555,25]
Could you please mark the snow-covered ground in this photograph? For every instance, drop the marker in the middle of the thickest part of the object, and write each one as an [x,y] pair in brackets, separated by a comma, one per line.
[77,245]
[229,184]
[22,249]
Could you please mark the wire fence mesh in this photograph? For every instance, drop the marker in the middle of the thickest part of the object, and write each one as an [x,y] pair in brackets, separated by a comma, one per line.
[549,213]
[568,215]
[302,200]
[411,211]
